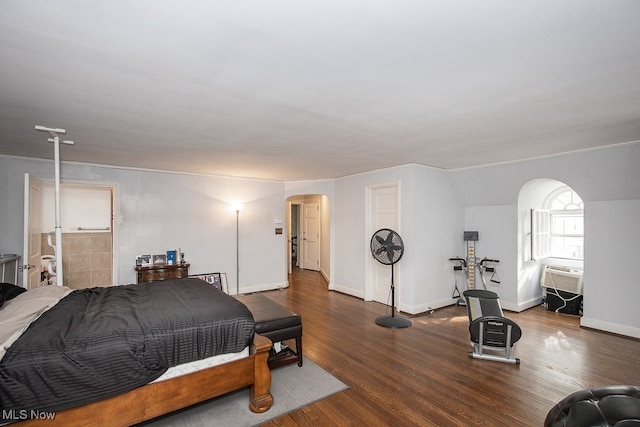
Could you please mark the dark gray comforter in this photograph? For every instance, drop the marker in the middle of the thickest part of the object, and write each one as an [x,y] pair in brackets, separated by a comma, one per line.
[100,342]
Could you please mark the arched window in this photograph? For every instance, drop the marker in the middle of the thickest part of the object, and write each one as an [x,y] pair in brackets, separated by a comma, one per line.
[566,214]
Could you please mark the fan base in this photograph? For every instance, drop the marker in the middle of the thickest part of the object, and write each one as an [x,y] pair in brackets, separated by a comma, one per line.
[393,322]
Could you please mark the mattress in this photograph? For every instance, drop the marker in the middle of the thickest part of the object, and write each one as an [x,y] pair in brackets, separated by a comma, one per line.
[199,365]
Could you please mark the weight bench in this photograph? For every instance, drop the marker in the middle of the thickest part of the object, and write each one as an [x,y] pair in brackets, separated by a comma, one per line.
[277,323]
[488,327]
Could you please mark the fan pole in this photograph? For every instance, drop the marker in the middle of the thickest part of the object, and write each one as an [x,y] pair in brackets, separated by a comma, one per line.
[393,321]
[393,294]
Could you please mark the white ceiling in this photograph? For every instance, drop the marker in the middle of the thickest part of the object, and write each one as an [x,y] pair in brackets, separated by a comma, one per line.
[291,89]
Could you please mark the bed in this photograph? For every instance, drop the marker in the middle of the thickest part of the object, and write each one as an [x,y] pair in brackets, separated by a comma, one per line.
[99,355]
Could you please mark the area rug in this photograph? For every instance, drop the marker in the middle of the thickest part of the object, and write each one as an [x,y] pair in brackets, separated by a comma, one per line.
[292,387]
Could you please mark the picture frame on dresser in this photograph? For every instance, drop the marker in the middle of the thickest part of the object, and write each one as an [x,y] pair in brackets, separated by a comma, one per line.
[143,260]
[160,259]
[219,280]
[223,282]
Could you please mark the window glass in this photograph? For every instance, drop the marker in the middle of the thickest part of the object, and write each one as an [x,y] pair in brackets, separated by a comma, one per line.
[567,224]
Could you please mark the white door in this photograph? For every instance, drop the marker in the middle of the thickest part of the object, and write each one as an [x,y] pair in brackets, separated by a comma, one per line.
[311,236]
[32,240]
[384,214]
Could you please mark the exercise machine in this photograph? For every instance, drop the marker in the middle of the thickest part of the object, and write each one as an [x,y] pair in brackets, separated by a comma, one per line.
[461,265]
[489,329]
[487,265]
[469,264]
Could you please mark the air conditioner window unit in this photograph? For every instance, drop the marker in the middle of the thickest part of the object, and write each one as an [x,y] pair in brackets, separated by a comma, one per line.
[562,278]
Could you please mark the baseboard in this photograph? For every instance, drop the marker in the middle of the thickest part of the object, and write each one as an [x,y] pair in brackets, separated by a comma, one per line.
[262,288]
[521,306]
[402,308]
[345,290]
[324,276]
[422,308]
[616,328]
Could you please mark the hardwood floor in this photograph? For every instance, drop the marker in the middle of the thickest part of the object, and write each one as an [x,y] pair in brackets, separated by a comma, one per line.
[422,376]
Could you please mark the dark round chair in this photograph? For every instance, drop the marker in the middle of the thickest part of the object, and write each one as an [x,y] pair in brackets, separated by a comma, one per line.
[616,405]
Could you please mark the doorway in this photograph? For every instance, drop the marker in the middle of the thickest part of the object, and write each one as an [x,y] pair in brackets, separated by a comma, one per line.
[383,211]
[308,225]
[88,237]
[294,233]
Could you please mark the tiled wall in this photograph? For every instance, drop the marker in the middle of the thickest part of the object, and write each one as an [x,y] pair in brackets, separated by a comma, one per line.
[86,259]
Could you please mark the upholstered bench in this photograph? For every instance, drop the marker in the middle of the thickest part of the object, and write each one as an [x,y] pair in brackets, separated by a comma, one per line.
[615,405]
[277,323]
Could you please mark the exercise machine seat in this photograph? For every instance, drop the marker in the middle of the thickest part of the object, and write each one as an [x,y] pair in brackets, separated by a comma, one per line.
[614,405]
[488,327]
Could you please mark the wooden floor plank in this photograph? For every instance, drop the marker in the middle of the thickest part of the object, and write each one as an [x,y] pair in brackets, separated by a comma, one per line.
[422,375]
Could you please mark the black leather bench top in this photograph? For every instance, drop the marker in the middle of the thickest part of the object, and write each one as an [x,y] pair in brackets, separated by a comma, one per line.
[269,315]
[613,405]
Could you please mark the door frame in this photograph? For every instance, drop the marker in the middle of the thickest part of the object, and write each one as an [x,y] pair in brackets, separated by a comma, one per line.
[325,230]
[115,215]
[368,231]
[290,205]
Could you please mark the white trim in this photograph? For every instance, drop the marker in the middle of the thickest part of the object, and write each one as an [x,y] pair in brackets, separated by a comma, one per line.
[368,232]
[264,287]
[546,156]
[522,306]
[345,290]
[615,328]
[506,162]
[380,170]
[423,308]
[324,275]
[137,169]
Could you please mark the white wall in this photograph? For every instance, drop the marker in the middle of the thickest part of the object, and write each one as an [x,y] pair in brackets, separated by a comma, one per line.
[495,225]
[432,223]
[608,180]
[158,211]
[84,206]
[611,286]
[325,239]
[161,210]
[430,218]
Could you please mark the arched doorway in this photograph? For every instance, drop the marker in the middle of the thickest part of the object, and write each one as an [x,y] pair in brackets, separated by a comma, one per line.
[550,241]
[308,233]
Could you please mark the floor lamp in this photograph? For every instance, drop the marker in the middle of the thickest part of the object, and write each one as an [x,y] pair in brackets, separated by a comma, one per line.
[238,208]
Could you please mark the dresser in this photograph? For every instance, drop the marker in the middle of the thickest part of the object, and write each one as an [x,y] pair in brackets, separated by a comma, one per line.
[162,272]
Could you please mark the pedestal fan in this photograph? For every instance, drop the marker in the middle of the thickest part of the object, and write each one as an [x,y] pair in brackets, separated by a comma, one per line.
[387,248]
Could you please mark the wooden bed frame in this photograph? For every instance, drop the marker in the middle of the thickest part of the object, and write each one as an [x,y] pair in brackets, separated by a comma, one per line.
[159,398]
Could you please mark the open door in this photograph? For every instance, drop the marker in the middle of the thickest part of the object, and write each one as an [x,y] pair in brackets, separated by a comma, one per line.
[311,236]
[32,233]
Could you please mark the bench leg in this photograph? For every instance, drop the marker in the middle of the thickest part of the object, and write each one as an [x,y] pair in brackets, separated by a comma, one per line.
[299,349]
